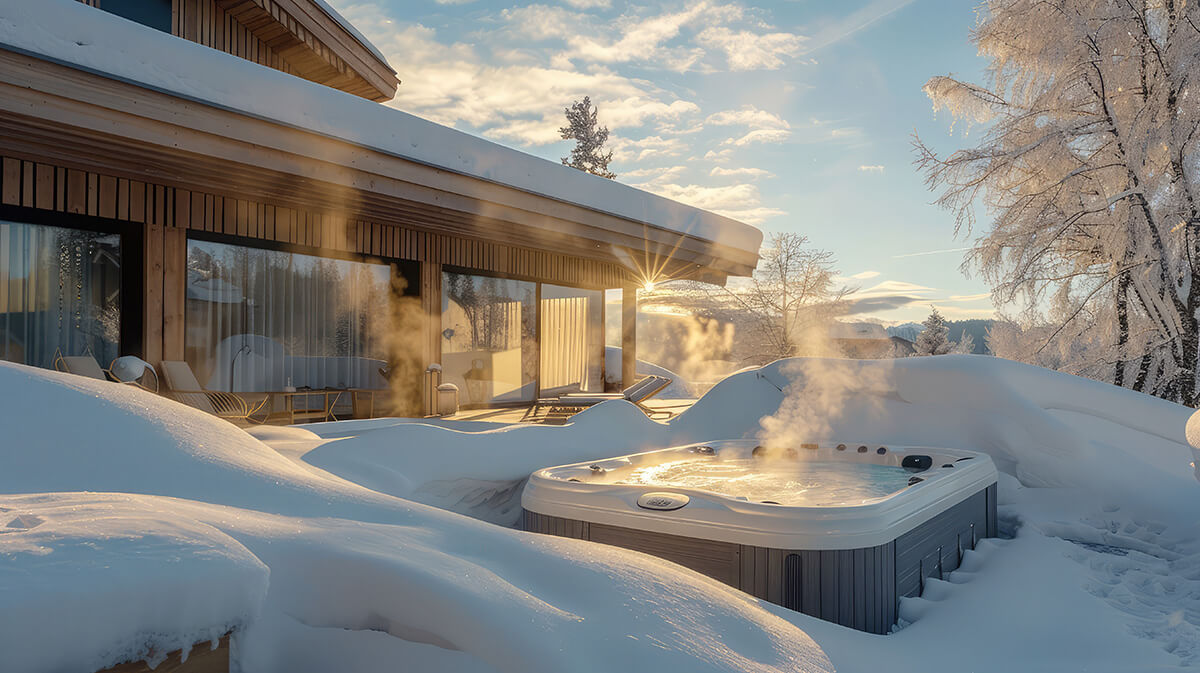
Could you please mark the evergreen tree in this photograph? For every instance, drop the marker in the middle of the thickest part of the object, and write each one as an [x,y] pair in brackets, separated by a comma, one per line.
[934,339]
[588,154]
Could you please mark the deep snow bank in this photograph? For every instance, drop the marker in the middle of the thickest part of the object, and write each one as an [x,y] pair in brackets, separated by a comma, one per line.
[1047,428]
[345,563]
[85,587]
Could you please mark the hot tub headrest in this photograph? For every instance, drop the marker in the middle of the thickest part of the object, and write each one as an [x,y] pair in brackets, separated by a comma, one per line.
[916,463]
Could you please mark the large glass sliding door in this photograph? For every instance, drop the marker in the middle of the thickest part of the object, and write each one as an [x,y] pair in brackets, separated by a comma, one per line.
[60,290]
[489,338]
[501,344]
[572,340]
[263,320]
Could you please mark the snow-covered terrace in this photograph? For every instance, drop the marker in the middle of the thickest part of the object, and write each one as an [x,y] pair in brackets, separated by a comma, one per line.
[181,111]
[144,526]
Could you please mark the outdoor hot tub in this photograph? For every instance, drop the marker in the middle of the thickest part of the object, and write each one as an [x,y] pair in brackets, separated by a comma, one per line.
[837,531]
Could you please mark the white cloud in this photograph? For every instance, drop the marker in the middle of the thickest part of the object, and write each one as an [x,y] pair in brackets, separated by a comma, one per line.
[504,94]
[719,156]
[759,136]
[864,275]
[655,174]
[589,4]
[695,38]
[740,202]
[745,50]
[871,169]
[890,287]
[930,252]
[717,172]
[750,116]
[628,150]
[854,22]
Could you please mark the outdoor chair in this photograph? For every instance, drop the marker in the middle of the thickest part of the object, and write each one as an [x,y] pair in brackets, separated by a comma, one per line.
[86,365]
[80,365]
[556,410]
[183,386]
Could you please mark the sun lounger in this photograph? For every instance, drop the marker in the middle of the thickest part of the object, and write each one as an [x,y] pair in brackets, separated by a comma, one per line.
[183,386]
[556,410]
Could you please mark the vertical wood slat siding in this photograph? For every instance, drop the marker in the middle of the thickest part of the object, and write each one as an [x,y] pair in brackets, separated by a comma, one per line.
[207,23]
[161,209]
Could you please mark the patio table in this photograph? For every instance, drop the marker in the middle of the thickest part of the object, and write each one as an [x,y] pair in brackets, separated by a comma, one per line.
[329,400]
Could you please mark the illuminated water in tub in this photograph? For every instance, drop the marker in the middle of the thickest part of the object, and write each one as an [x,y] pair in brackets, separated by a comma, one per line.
[786,482]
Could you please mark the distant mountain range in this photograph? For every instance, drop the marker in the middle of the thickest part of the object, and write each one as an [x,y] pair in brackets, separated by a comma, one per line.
[976,328]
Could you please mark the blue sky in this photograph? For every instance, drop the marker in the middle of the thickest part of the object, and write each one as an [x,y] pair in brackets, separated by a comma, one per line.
[792,116]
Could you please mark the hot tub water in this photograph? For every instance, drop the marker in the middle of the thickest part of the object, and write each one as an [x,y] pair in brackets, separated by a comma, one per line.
[797,483]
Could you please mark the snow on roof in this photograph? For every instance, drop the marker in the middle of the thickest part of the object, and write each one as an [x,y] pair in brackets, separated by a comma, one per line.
[74,34]
[349,27]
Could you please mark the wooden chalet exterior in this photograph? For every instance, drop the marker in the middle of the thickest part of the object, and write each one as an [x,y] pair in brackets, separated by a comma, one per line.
[139,220]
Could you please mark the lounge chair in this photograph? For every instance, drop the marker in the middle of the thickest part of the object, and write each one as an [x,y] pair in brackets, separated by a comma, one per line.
[80,365]
[86,365]
[183,386]
[556,410]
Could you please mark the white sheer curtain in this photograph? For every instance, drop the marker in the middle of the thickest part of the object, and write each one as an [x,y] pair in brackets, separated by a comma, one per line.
[60,290]
[572,346]
[263,320]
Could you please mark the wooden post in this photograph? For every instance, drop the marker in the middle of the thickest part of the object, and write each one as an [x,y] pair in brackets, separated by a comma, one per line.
[628,335]
[431,340]
[174,292]
[152,297]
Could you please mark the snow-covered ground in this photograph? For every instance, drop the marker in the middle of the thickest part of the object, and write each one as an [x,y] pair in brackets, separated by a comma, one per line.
[296,536]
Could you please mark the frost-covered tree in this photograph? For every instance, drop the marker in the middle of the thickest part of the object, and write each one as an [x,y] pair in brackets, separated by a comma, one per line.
[1089,164]
[786,308]
[935,338]
[582,127]
[965,345]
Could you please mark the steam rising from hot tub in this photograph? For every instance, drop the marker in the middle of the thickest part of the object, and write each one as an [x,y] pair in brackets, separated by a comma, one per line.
[821,394]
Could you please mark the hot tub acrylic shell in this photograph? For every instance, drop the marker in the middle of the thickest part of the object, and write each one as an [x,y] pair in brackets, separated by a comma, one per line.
[846,563]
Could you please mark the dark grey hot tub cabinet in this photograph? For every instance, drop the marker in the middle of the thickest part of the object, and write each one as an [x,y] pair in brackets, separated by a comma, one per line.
[859,588]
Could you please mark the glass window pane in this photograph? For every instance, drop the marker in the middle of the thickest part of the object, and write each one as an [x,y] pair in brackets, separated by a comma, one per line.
[612,340]
[489,338]
[572,343]
[264,320]
[60,290]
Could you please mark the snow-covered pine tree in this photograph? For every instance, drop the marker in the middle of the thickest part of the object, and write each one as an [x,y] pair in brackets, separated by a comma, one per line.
[588,154]
[1091,164]
[965,345]
[934,339]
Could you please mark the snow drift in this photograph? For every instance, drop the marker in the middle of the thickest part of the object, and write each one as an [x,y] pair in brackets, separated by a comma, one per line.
[1044,427]
[228,533]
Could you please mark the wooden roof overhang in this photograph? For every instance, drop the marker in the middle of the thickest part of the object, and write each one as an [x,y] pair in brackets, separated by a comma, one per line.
[316,45]
[89,121]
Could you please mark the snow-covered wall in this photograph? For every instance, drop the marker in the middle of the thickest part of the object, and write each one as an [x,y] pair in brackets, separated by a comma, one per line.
[71,33]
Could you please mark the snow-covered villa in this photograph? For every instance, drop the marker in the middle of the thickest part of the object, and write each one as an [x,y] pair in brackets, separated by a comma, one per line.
[219,182]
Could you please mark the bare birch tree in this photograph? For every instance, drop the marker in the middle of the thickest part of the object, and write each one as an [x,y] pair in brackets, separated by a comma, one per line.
[785,309]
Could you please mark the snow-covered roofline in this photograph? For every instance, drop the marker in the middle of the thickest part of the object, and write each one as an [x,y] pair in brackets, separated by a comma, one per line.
[73,34]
